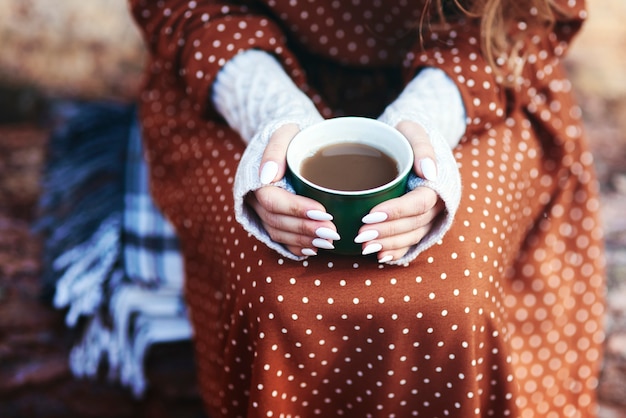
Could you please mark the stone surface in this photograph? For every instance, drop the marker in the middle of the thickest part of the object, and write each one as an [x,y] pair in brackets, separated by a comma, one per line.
[72,48]
[598,54]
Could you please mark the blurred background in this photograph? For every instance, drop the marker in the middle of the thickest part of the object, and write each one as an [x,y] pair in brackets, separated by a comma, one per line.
[77,50]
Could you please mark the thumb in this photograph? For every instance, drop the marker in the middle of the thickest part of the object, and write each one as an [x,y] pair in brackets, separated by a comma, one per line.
[273,161]
[425,160]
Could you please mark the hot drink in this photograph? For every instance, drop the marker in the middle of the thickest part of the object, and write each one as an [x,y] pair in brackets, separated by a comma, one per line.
[349,166]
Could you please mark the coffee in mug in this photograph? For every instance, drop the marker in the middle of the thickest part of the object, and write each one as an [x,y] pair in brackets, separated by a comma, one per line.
[356,163]
[349,166]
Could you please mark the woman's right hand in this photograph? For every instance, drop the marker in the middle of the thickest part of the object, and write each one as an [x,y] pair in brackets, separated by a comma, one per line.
[301,224]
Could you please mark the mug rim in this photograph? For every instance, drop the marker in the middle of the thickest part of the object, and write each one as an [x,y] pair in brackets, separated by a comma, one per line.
[374,123]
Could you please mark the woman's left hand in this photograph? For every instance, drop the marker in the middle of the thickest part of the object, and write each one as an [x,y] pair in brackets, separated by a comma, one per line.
[392,227]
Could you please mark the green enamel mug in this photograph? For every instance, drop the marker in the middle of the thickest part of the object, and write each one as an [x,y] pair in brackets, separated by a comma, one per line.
[348,207]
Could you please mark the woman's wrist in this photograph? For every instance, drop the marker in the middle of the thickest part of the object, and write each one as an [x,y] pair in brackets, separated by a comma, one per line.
[432,99]
[433,102]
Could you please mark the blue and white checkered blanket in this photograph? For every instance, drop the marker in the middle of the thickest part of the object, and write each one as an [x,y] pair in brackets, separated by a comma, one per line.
[111,257]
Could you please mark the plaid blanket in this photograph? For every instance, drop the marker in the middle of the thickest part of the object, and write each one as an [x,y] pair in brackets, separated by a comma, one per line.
[112,260]
[151,253]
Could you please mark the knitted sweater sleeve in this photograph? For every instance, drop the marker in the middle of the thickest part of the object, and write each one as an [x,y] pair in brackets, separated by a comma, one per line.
[432,100]
[256,97]
[193,40]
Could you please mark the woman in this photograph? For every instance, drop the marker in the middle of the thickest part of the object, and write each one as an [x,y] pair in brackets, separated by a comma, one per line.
[481,303]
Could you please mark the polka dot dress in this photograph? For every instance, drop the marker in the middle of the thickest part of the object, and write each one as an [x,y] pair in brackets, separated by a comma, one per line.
[502,318]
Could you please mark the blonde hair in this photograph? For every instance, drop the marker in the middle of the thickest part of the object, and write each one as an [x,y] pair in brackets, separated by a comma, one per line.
[500,21]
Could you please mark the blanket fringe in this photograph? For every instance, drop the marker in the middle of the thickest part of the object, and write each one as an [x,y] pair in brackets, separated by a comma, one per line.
[122,308]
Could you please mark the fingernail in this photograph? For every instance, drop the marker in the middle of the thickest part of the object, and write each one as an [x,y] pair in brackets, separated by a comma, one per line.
[268,172]
[374,217]
[327,233]
[323,244]
[318,215]
[429,169]
[364,236]
[386,259]
[308,251]
[372,248]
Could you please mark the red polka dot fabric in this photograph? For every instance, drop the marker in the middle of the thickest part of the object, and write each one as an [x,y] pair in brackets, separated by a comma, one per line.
[502,318]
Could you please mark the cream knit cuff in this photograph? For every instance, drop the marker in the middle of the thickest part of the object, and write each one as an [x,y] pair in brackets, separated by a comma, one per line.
[256,97]
[432,100]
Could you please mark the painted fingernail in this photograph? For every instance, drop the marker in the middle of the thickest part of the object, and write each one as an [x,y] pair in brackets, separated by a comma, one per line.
[309,251]
[386,259]
[372,248]
[268,172]
[323,244]
[318,215]
[374,217]
[327,233]
[364,236]
[429,169]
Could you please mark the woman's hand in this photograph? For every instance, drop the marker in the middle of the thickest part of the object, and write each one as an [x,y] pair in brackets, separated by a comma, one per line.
[393,226]
[304,226]
[299,223]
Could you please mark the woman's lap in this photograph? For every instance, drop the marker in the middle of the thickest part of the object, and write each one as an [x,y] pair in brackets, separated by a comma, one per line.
[455,330]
